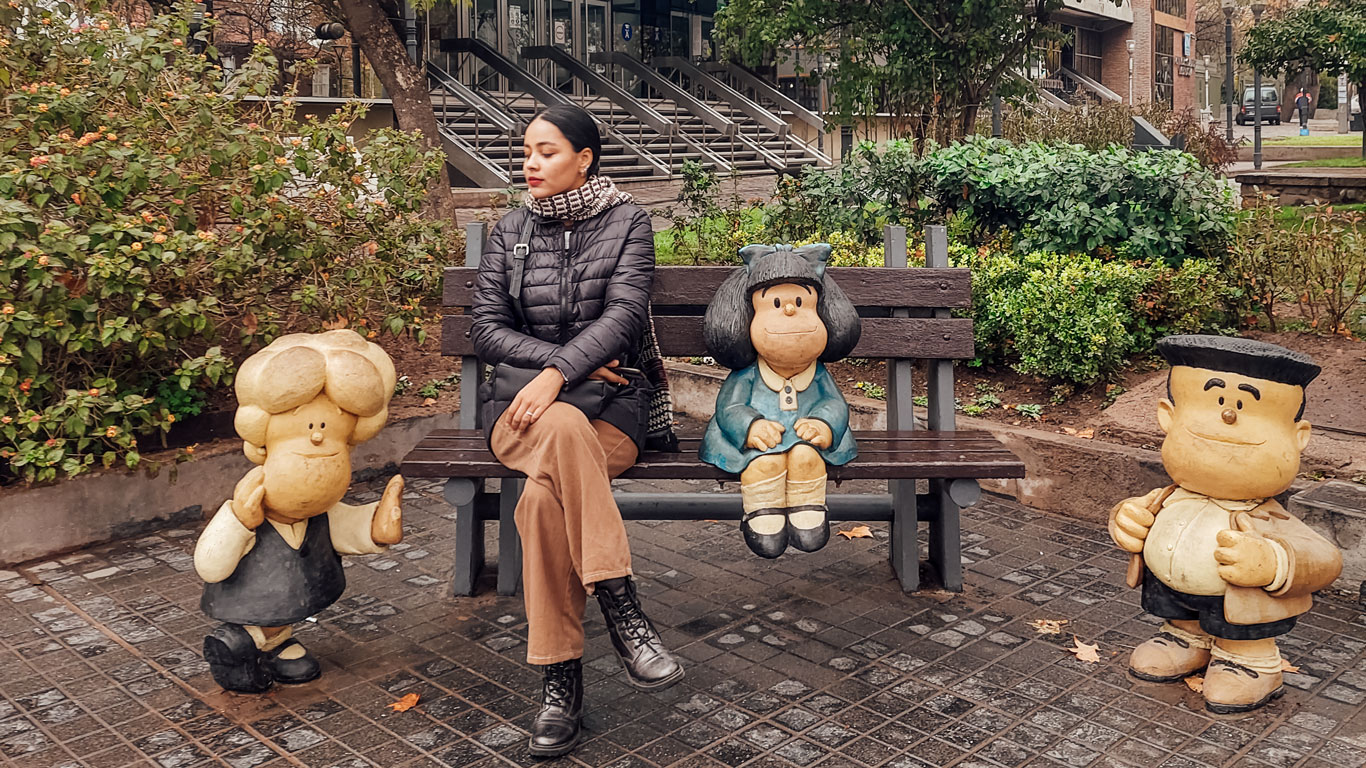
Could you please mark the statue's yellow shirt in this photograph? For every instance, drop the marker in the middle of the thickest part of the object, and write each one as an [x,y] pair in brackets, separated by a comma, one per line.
[1180,546]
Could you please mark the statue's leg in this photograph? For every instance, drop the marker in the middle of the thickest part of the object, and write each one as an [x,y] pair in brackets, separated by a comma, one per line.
[763,494]
[1243,675]
[235,660]
[806,510]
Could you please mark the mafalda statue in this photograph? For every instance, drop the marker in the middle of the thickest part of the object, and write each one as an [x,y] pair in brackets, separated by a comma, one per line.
[270,556]
[780,418]
[1218,557]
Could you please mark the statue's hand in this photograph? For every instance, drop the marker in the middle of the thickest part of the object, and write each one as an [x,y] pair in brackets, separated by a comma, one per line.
[1245,559]
[764,434]
[248,499]
[387,526]
[814,431]
[1129,524]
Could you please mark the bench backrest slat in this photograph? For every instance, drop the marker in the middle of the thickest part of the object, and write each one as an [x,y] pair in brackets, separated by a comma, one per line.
[925,338]
[915,288]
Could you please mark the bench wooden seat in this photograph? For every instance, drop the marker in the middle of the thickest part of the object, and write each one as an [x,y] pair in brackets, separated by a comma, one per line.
[906,316]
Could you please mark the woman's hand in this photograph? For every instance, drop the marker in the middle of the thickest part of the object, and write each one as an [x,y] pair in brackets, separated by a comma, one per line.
[535,397]
[606,373]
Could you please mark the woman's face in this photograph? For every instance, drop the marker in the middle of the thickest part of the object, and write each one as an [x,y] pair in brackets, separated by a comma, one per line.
[551,165]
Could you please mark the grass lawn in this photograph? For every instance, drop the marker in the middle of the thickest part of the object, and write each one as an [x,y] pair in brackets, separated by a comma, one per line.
[1332,162]
[1288,215]
[1322,140]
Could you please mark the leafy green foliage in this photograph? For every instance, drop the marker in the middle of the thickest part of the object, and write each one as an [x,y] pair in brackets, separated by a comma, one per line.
[149,213]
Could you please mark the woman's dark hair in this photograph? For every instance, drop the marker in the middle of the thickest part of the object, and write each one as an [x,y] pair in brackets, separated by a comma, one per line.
[725,328]
[578,127]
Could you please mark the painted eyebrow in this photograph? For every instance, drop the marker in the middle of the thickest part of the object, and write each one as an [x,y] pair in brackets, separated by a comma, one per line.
[1249,388]
[1214,383]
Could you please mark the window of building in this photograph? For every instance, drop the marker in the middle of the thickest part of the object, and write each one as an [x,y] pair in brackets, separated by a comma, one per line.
[1081,53]
[1173,7]
[1164,65]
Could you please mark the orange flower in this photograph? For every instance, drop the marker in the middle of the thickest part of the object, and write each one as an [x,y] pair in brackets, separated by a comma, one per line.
[158,238]
[111,432]
[42,260]
[94,392]
[26,385]
[51,442]
[38,161]
[5,419]
[136,247]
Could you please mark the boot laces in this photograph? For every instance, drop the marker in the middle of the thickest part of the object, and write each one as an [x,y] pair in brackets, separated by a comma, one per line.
[1236,667]
[559,684]
[631,619]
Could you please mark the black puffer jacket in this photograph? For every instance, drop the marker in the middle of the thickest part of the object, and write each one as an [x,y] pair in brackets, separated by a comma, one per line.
[585,293]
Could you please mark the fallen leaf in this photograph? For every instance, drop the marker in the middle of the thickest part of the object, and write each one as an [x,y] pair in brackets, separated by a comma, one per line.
[250,322]
[1048,626]
[429,401]
[1288,667]
[404,704]
[1084,651]
[1070,431]
[1087,434]
[1196,683]
[857,532]
[332,325]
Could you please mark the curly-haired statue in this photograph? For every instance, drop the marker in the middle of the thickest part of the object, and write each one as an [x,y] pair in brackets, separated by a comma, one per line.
[270,556]
[780,418]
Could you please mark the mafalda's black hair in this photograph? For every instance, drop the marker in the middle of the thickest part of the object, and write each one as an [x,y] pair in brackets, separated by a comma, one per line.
[726,325]
[1248,357]
[578,127]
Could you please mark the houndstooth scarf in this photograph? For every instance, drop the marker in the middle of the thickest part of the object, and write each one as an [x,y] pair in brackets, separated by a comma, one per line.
[581,203]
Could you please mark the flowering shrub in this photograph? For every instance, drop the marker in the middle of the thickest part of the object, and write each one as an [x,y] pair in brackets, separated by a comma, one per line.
[151,214]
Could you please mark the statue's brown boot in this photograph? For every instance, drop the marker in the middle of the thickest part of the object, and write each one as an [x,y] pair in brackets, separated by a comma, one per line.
[1244,679]
[1175,653]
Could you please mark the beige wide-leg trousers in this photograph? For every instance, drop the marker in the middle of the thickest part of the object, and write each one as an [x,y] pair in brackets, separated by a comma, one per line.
[571,529]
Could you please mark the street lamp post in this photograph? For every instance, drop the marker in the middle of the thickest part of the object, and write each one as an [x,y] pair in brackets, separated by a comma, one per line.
[1209,108]
[1228,70]
[1257,9]
[1130,46]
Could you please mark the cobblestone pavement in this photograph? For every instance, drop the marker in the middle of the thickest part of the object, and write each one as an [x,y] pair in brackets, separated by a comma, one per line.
[814,660]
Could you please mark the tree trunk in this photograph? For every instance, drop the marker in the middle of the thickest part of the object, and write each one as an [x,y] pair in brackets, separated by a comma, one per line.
[406,85]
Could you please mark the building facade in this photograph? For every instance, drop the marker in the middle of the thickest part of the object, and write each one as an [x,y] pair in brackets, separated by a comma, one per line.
[1140,51]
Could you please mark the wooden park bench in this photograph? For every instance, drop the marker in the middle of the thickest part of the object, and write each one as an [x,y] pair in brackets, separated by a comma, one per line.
[906,316]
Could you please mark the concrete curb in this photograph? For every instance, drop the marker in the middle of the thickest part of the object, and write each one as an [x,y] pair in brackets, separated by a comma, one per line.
[45,520]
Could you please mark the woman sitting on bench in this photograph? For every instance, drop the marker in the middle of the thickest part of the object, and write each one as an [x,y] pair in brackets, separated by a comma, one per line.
[561,312]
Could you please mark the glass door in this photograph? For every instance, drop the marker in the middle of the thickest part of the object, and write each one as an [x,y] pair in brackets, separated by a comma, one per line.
[562,30]
[597,32]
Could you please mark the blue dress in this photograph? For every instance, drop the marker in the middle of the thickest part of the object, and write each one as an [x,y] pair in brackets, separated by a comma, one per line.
[745,398]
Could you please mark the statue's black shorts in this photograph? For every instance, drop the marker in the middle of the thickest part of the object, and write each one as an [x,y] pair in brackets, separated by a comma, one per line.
[1166,603]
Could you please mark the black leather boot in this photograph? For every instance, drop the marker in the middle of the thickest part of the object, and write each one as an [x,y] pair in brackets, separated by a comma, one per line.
[649,666]
[559,724]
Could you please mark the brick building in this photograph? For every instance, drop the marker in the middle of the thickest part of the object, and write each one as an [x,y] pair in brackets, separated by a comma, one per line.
[1162,33]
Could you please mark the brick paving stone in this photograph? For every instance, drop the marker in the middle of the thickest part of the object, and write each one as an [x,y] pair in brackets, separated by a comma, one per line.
[811,660]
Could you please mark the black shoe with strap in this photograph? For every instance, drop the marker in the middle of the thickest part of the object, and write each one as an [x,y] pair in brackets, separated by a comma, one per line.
[649,666]
[558,726]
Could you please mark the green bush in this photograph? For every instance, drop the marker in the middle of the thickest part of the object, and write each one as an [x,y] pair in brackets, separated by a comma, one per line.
[1147,206]
[149,216]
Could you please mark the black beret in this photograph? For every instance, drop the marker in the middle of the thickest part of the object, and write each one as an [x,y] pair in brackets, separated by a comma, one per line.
[1255,359]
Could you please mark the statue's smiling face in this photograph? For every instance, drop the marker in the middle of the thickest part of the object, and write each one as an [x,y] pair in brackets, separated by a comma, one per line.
[1231,436]
[787,331]
[308,459]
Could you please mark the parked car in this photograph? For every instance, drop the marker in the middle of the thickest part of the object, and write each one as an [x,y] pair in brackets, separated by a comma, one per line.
[1271,106]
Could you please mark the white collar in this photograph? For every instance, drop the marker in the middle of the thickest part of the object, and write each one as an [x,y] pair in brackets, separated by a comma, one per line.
[776,382]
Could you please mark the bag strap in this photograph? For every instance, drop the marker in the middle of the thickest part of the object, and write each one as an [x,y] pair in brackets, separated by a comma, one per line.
[519,253]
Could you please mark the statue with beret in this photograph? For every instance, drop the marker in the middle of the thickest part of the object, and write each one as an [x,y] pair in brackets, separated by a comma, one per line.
[1217,557]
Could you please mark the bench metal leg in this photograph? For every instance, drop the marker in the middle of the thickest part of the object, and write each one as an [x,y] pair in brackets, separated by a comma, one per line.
[509,543]
[905,547]
[945,548]
[469,534]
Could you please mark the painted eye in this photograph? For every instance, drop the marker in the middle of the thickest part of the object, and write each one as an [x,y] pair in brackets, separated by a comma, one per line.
[1240,405]
[310,425]
[1221,401]
[776,303]
[799,301]
[322,425]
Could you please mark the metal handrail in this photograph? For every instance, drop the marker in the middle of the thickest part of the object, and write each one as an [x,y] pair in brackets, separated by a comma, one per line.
[722,124]
[486,109]
[767,91]
[490,127]
[722,92]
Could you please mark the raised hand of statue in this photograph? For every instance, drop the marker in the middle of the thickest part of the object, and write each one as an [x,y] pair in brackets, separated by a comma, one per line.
[764,434]
[387,526]
[1130,520]
[1245,559]
[248,499]
[814,431]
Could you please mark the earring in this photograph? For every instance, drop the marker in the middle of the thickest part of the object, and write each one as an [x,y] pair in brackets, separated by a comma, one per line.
[583,171]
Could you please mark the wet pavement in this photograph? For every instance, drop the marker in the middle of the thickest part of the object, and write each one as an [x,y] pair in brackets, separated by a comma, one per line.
[810,660]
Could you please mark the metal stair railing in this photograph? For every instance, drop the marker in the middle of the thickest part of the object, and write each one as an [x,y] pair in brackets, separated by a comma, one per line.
[625,112]
[457,105]
[759,90]
[468,54]
[706,83]
[694,106]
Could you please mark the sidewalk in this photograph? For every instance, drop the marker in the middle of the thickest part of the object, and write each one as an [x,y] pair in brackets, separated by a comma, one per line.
[811,660]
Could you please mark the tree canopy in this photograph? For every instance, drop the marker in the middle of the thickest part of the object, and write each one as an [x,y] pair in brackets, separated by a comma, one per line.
[1327,36]
[930,64]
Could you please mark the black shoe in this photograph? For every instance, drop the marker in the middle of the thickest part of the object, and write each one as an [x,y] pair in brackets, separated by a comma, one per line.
[768,545]
[649,666]
[234,660]
[559,724]
[808,539]
[293,671]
